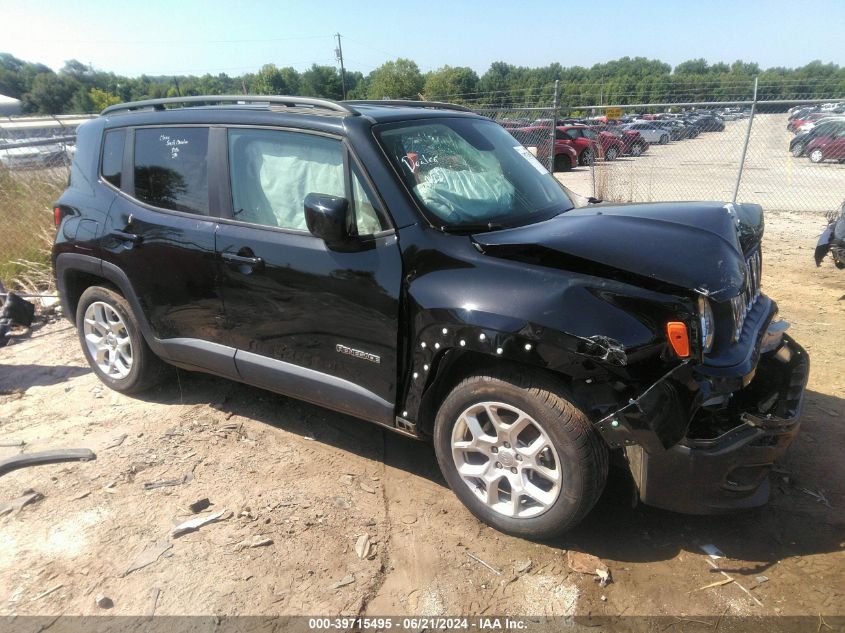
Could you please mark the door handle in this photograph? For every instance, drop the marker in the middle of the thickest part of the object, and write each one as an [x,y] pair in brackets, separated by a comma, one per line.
[243,262]
[127,237]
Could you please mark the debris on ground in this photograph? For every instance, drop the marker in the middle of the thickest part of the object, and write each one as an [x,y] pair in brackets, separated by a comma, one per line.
[195,524]
[40,458]
[104,602]
[718,583]
[367,488]
[346,580]
[818,495]
[48,592]
[12,443]
[152,485]
[712,551]
[584,563]
[15,311]
[761,579]
[408,519]
[733,580]
[116,442]
[16,505]
[199,505]
[604,577]
[257,541]
[521,568]
[363,546]
[154,594]
[487,565]
[346,479]
[147,557]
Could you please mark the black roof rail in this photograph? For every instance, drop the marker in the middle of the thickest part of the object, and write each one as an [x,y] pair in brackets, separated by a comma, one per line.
[410,103]
[160,104]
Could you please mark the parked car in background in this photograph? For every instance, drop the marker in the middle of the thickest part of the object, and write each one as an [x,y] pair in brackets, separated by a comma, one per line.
[633,143]
[649,131]
[827,147]
[799,142]
[795,124]
[586,146]
[708,123]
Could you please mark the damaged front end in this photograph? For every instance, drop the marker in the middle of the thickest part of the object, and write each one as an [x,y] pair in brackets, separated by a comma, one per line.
[731,439]
[832,239]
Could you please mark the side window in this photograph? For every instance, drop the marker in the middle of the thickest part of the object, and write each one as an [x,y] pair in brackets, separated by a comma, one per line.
[272,172]
[573,134]
[171,168]
[113,157]
[366,218]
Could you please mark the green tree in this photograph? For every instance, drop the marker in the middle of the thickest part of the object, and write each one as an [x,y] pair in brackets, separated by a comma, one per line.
[50,93]
[396,80]
[450,83]
[321,81]
[100,99]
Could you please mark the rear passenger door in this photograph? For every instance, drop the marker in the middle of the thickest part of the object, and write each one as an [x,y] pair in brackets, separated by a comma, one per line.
[160,234]
[311,322]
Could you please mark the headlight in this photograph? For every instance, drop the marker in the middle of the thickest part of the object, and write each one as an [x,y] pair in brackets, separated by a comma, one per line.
[708,328]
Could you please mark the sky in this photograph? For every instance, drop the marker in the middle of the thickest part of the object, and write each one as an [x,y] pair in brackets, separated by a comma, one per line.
[236,36]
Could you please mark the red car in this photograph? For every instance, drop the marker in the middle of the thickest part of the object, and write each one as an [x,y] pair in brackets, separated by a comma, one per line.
[633,143]
[587,144]
[827,147]
[794,124]
[537,136]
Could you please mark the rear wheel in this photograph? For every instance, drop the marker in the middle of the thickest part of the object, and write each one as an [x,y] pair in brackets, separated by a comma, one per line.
[112,342]
[587,157]
[664,139]
[520,455]
[816,156]
[797,149]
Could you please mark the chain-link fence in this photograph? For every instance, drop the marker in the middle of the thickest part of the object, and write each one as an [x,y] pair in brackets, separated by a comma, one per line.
[35,155]
[787,155]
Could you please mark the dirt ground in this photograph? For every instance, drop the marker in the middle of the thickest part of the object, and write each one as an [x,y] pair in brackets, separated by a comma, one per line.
[314,482]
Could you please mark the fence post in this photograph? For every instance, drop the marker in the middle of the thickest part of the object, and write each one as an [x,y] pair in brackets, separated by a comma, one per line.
[553,132]
[745,145]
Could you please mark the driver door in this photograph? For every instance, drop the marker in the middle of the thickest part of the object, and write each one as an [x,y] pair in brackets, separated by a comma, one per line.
[307,321]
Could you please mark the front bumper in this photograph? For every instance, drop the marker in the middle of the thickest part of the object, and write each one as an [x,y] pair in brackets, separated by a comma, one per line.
[730,471]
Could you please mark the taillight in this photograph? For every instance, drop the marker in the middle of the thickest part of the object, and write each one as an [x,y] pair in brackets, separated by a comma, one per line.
[678,336]
[57,216]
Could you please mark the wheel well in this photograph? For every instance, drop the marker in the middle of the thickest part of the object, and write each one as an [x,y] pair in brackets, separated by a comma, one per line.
[452,367]
[77,282]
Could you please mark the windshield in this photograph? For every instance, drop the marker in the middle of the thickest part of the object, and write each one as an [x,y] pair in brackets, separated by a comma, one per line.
[471,174]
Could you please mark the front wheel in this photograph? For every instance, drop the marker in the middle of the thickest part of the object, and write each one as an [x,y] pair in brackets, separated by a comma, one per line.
[612,153]
[636,149]
[562,162]
[587,158]
[519,454]
[797,149]
[816,156]
[664,139]
[112,342]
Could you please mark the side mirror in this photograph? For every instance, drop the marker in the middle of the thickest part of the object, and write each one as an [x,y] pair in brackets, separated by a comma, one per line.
[325,217]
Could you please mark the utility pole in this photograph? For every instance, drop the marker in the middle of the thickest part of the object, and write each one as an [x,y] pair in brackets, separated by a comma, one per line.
[339,54]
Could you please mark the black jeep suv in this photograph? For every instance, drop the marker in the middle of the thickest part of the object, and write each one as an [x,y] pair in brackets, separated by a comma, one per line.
[411,264]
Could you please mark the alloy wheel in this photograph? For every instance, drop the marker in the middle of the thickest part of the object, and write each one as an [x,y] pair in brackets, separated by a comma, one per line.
[506,459]
[108,340]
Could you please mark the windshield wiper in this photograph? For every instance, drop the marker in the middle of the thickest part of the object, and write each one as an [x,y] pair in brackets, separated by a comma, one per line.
[474,227]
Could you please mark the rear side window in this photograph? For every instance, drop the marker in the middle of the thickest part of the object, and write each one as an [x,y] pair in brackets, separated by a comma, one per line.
[113,157]
[171,168]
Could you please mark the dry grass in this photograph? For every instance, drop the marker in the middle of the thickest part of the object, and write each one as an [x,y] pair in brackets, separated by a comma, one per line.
[26,232]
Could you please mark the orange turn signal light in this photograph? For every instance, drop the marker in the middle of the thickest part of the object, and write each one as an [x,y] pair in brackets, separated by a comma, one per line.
[678,338]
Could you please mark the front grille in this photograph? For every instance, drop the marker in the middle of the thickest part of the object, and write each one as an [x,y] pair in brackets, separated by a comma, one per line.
[742,303]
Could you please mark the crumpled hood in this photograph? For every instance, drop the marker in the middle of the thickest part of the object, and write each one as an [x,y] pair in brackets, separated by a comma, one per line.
[694,245]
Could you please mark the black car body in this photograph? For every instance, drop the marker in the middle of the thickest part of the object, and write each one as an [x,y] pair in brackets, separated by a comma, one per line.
[708,123]
[382,325]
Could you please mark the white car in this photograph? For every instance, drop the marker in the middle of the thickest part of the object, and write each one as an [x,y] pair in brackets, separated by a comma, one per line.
[649,131]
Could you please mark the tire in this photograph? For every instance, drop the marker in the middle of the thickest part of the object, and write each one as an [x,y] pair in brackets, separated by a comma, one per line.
[816,156]
[562,162]
[569,448]
[586,158]
[664,139]
[612,153]
[797,149]
[106,325]
[636,150]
